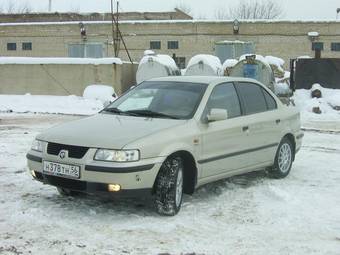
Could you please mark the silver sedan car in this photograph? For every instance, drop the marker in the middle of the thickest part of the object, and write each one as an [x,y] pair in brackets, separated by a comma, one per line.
[168,136]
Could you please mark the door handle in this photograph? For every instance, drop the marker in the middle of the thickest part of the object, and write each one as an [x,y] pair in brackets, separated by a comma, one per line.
[278,121]
[244,129]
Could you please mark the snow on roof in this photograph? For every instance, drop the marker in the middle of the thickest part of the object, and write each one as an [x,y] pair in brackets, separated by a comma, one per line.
[70,61]
[166,22]
[165,60]
[275,61]
[313,34]
[231,42]
[229,63]
[149,52]
[304,57]
[209,60]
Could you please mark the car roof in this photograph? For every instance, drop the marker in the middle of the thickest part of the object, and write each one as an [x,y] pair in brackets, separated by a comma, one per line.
[203,79]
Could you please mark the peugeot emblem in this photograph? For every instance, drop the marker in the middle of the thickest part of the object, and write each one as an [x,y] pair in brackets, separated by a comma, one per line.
[62,154]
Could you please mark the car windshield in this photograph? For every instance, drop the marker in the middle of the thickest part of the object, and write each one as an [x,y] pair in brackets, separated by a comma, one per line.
[175,100]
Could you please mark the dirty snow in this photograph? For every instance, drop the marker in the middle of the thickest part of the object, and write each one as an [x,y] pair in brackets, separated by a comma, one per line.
[249,214]
[330,99]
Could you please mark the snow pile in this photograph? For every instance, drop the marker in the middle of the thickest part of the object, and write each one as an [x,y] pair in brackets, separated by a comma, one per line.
[275,61]
[229,63]
[204,64]
[165,60]
[103,93]
[49,104]
[304,57]
[327,103]
[149,52]
[257,57]
[282,84]
[154,66]
[281,88]
[59,61]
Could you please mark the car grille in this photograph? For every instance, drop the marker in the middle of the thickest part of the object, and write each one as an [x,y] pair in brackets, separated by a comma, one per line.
[73,151]
[74,184]
[66,183]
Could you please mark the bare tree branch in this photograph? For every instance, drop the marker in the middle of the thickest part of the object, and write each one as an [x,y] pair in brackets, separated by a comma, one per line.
[11,7]
[255,9]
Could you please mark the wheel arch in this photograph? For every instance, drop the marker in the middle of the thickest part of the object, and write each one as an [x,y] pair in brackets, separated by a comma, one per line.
[190,170]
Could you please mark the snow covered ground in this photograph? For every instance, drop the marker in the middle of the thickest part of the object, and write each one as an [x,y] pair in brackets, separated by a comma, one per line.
[249,214]
[49,104]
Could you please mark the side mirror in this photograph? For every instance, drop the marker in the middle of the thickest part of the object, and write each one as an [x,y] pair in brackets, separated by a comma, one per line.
[217,114]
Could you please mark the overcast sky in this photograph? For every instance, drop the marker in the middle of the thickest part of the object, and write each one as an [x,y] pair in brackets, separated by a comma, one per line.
[293,9]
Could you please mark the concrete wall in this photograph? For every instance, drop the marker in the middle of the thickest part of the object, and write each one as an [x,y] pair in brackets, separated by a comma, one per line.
[63,79]
[285,39]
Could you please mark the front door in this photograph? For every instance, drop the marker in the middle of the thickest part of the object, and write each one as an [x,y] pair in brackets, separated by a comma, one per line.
[223,140]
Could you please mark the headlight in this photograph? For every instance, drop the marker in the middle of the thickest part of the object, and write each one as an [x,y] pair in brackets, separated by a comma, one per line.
[37,145]
[117,155]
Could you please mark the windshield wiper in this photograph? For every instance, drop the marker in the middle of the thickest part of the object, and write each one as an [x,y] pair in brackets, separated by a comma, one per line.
[118,111]
[148,113]
[113,110]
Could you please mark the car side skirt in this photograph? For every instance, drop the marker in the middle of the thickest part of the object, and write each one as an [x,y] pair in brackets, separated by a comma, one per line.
[203,161]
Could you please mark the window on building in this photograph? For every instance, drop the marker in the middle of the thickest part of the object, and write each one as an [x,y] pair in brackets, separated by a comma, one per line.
[11,46]
[155,45]
[317,46]
[252,98]
[27,46]
[86,50]
[173,45]
[335,46]
[180,62]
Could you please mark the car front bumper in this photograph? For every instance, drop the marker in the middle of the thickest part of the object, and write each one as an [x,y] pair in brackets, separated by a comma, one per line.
[134,178]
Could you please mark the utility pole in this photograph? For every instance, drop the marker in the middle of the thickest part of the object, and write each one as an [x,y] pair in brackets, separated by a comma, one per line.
[116,34]
[49,5]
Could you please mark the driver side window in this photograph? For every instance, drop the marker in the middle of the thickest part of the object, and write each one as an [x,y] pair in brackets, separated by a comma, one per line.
[224,96]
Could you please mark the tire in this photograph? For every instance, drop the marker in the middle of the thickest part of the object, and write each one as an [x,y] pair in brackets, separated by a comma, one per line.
[283,159]
[169,187]
[66,192]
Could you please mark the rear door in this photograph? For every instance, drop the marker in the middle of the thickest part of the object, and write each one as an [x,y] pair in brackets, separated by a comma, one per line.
[263,123]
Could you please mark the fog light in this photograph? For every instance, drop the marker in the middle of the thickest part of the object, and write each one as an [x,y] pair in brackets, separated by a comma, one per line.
[33,173]
[113,187]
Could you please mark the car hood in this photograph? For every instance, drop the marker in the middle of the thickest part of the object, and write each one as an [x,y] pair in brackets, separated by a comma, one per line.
[106,130]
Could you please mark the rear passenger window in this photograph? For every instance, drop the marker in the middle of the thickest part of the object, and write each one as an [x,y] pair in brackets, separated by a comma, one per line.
[224,96]
[252,98]
[271,103]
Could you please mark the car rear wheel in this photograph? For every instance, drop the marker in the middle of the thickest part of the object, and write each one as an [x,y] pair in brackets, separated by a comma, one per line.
[283,159]
[169,187]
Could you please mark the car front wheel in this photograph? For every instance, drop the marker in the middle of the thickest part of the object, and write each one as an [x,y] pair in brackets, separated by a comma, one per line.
[283,159]
[169,187]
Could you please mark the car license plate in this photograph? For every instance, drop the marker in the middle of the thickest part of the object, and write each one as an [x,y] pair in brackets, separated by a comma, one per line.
[58,169]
